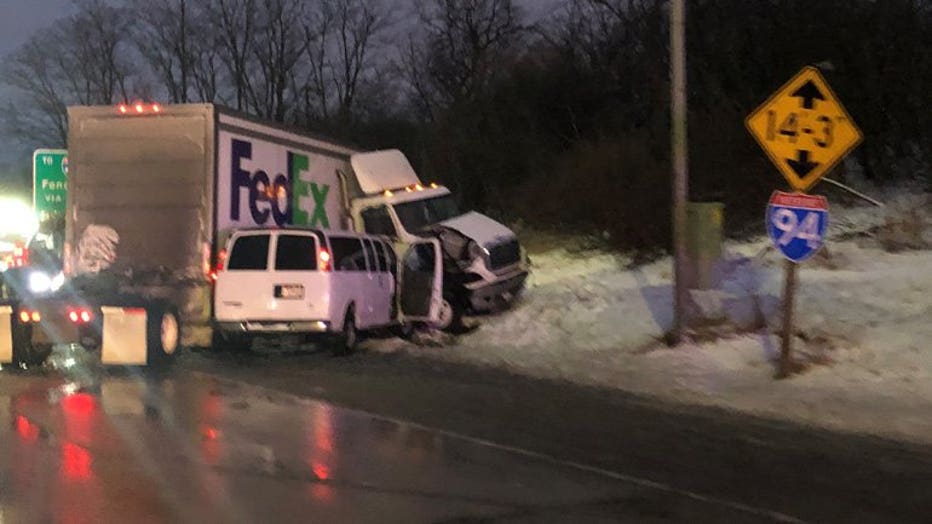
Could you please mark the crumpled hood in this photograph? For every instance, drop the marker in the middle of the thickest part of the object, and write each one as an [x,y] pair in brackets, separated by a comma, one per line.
[478,227]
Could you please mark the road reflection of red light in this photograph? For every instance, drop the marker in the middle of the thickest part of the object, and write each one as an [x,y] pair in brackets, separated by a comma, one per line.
[211,447]
[323,429]
[321,471]
[75,462]
[78,404]
[26,430]
[321,492]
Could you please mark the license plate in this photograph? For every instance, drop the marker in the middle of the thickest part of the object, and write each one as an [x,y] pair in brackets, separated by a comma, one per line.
[289,291]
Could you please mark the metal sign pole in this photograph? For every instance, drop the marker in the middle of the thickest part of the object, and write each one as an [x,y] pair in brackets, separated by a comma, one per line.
[789,295]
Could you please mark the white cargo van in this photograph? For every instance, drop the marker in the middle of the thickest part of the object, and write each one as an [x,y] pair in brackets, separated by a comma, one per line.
[318,282]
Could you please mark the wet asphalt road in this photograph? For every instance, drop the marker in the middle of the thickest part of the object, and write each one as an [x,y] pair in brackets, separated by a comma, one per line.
[277,437]
[186,447]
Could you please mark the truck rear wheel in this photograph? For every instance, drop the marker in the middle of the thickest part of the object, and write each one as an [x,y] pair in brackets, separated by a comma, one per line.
[163,334]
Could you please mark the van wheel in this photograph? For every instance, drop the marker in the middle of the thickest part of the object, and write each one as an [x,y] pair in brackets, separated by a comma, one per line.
[450,317]
[346,342]
[163,334]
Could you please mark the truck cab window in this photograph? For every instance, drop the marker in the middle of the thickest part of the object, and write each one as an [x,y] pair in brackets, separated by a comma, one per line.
[377,221]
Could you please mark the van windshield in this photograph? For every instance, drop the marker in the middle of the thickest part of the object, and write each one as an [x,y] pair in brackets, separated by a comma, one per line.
[417,215]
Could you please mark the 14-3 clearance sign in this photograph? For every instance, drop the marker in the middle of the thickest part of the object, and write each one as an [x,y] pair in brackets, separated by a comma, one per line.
[804,129]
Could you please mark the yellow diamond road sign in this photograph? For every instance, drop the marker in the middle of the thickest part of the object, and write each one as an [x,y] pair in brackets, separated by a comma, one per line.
[804,129]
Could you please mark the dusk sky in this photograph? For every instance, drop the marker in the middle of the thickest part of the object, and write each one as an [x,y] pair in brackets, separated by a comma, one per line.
[20,18]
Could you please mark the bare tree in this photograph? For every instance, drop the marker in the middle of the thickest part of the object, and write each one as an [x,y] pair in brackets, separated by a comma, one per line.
[33,70]
[235,22]
[463,47]
[164,39]
[342,40]
[96,64]
[79,60]
[277,47]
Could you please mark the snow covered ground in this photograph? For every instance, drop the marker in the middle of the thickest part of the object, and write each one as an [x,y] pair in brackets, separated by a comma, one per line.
[864,319]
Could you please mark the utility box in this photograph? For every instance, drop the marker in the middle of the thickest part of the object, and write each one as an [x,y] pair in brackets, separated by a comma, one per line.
[704,244]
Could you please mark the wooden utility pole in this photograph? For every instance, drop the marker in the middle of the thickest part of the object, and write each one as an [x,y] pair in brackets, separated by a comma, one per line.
[679,163]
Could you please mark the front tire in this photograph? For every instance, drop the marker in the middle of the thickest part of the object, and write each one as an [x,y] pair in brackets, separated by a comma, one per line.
[163,334]
[450,317]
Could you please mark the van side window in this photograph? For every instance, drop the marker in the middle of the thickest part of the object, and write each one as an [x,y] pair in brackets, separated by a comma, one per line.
[376,221]
[249,252]
[348,254]
[296,252]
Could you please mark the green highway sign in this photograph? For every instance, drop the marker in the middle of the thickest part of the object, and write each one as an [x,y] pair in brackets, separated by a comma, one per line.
[49,182]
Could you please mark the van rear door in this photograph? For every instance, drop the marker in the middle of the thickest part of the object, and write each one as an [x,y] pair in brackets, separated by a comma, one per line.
[298,288]
[237,290]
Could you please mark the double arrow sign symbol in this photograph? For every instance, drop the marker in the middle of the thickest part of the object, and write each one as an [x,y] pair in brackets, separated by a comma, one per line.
[808,93]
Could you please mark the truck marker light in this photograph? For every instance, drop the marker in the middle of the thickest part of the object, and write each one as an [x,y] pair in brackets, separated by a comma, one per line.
[387,193]
[408,189]
[419,187]
[433,185]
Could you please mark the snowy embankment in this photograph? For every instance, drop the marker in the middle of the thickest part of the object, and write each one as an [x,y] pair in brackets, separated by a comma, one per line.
[864,323]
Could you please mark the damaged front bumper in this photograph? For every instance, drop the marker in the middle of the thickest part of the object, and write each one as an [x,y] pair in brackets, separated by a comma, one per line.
[485,295]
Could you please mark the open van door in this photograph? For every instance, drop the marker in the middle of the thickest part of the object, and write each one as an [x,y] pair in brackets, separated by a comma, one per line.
[420,275]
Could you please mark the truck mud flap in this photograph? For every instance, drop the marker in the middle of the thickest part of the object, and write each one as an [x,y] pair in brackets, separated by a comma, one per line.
[6,334]
[123,337]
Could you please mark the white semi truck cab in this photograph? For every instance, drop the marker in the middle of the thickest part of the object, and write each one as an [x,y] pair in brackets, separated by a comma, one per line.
[484,265]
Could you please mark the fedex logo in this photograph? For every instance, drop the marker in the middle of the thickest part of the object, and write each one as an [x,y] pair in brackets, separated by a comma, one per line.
[275,196]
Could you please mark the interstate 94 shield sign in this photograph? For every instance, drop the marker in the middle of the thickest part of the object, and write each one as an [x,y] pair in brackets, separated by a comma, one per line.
[797,223]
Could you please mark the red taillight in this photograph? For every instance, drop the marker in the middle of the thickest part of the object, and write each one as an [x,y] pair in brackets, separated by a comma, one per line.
[139,108]
[218,266]
[80,316]
[24,316]
[323,260]
[123,108]
[156,108]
